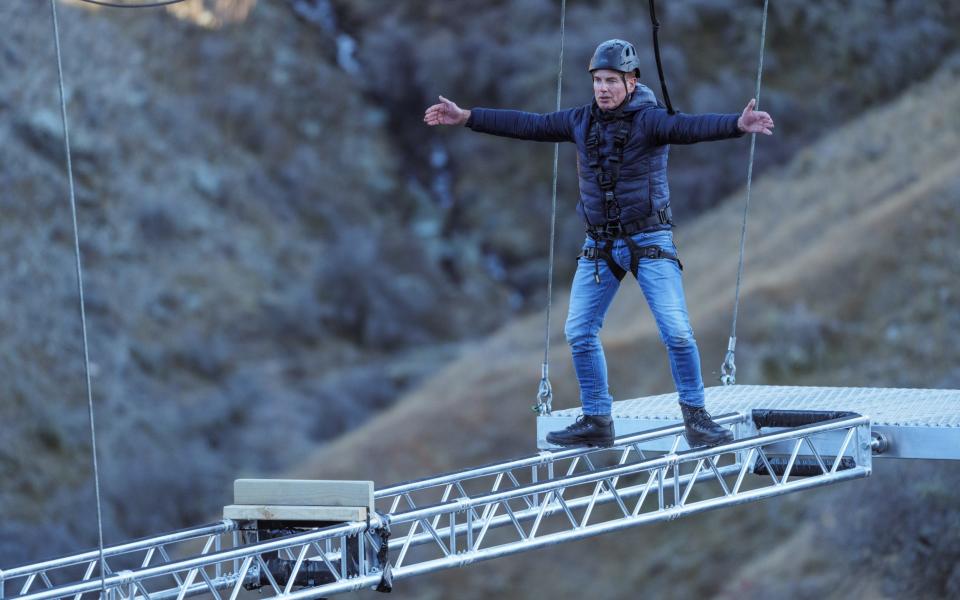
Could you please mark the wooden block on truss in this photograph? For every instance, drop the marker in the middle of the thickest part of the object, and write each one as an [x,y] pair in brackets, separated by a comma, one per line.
[254,512]
[303,492]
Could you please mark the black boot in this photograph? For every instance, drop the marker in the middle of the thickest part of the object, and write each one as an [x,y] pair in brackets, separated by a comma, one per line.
[588,430]
[701,429]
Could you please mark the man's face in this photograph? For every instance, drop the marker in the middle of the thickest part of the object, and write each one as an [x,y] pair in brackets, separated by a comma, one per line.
[609,89]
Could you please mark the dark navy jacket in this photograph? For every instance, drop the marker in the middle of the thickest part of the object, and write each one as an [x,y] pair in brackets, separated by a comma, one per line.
[642,185]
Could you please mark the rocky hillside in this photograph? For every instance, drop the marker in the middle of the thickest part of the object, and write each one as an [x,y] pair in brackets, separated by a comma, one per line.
[852,279]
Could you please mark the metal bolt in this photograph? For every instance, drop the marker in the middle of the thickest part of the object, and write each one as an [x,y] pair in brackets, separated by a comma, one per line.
[878,443]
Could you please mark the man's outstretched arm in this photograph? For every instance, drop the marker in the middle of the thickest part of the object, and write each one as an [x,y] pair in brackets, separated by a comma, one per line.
[550,127]
[690,129]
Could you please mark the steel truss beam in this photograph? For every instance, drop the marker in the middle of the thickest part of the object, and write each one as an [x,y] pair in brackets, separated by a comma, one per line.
[459,518]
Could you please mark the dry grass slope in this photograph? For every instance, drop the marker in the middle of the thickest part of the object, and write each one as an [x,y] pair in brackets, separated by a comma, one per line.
[851,279]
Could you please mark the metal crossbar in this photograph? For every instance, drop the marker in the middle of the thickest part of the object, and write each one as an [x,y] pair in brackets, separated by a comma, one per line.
[455,519]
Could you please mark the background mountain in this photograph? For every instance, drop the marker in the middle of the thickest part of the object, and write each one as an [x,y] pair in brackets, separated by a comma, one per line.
[276,250]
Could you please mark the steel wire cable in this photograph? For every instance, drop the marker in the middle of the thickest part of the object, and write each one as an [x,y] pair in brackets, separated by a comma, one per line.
[545,393]
[79,271]
[132,4]
[728,369]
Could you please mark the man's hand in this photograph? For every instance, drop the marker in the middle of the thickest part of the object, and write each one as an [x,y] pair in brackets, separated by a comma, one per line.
[755,121]
[445,113]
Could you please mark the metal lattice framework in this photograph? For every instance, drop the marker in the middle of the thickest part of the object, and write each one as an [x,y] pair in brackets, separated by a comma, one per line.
[459,518]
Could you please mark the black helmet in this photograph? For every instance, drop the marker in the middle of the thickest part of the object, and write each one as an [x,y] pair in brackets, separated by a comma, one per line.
[618,55]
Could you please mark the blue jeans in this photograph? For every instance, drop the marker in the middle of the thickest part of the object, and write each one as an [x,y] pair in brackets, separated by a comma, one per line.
[662,286]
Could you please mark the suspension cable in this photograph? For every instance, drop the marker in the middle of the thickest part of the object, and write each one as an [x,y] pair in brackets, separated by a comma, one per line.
[544,404]
[728,369]
[132,4]
[655,26]
[83,312]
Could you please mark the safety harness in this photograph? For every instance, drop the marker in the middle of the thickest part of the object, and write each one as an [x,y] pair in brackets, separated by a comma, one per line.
[613,228]
[605,253]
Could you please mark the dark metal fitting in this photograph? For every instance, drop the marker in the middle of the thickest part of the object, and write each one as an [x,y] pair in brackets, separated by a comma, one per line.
[878,442]
[385,586]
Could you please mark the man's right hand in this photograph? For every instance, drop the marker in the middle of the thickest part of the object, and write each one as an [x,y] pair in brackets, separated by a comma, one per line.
[445,113]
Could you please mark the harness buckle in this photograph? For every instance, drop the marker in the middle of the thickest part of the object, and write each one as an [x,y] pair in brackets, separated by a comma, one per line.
[591,253]
[663,216]
[613,213]
[613,229]
[605,181]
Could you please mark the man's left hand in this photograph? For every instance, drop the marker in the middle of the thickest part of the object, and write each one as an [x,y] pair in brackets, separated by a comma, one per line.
[755,121]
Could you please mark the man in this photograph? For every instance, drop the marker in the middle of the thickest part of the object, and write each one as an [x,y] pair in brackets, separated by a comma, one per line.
[622,140]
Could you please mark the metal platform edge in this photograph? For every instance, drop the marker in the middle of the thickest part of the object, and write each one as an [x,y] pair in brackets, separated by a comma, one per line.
[905,441]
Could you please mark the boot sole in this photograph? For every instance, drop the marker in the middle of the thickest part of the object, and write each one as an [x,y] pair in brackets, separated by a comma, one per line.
[582,444]
[708,444]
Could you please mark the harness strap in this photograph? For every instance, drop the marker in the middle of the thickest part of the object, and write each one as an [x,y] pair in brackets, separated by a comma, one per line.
[598,253]
[656,252]
[605,253]
[607,178]
[663,216]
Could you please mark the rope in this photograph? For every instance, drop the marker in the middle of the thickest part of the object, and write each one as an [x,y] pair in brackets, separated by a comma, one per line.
[656,53]
[728,369]
[132,5]
[83,312]
[544,404]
